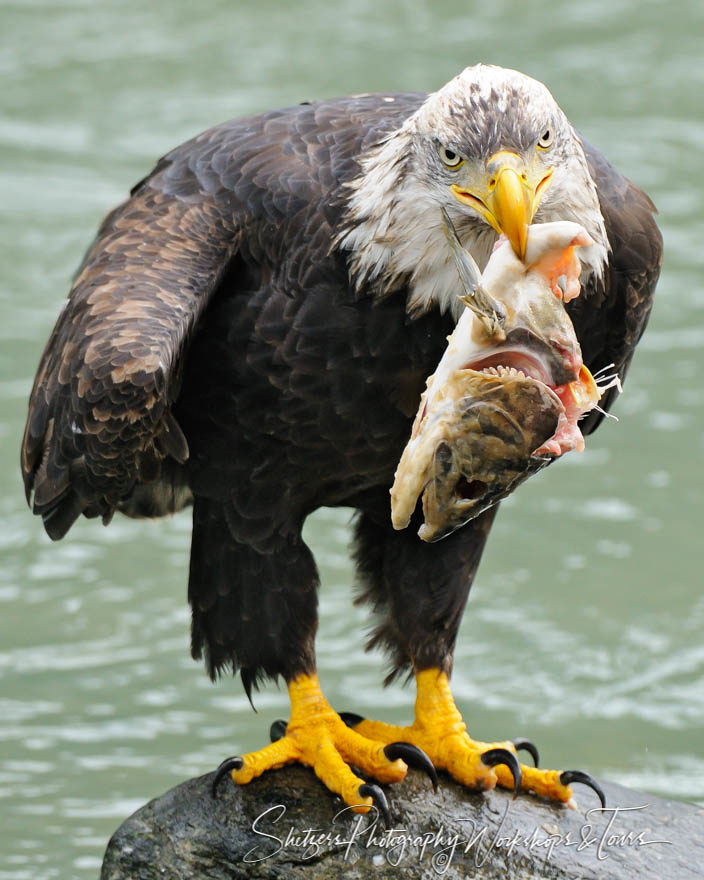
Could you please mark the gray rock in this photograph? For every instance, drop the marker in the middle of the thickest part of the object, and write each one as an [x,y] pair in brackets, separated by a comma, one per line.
[263,830]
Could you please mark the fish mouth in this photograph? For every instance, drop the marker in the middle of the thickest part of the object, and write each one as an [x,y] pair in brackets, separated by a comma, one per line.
[513,361]
[518,362]
[576,397]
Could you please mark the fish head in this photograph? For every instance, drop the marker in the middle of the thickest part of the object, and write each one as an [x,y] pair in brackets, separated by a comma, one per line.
[478,446]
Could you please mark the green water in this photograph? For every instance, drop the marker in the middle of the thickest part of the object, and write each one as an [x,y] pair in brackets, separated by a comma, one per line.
[584,627]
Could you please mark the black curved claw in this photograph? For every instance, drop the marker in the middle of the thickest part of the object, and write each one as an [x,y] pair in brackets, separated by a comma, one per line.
[502,756]
[367,789]
[351,719]
[414,757]
[277,730]
[569,776]
[529,747]
[235,763]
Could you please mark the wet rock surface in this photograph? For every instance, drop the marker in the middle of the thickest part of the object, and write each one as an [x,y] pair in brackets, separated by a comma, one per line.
[286,825]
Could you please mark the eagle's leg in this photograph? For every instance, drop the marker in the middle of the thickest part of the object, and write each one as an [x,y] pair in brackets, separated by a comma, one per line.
[421,590]
[255,609]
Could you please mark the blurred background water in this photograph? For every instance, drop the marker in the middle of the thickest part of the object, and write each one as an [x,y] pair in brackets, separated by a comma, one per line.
[584,627]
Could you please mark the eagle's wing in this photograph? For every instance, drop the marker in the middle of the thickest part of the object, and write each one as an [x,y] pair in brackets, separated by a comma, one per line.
[100,426]
[610,315]
[99,417]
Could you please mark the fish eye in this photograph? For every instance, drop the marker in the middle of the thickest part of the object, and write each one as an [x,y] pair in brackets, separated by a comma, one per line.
[545,140]
[450,157]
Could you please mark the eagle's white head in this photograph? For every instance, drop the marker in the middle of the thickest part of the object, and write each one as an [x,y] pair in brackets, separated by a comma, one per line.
[493,148]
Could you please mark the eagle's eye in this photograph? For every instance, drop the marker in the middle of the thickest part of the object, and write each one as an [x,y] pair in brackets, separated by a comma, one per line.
[545,140]
[450,157]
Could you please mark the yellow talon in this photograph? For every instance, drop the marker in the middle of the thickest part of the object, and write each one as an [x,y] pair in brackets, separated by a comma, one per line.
[440,731]
[317,736]
[545,783]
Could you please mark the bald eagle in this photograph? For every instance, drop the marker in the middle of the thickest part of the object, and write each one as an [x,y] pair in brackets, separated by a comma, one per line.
[250,333]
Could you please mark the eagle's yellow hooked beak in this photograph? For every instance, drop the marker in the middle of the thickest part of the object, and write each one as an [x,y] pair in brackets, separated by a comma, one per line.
[508,197]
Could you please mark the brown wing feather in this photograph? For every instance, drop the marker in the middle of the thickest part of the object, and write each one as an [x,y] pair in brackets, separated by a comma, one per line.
[99,414]
[100,426]
[612,314]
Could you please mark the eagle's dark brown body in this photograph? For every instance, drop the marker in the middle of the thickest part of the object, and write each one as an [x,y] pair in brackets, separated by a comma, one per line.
[213,349]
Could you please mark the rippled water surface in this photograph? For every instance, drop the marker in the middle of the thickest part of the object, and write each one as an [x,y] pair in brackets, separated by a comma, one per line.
[584,630]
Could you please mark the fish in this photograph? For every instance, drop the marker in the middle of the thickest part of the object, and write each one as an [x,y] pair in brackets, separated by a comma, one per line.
[507,395]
